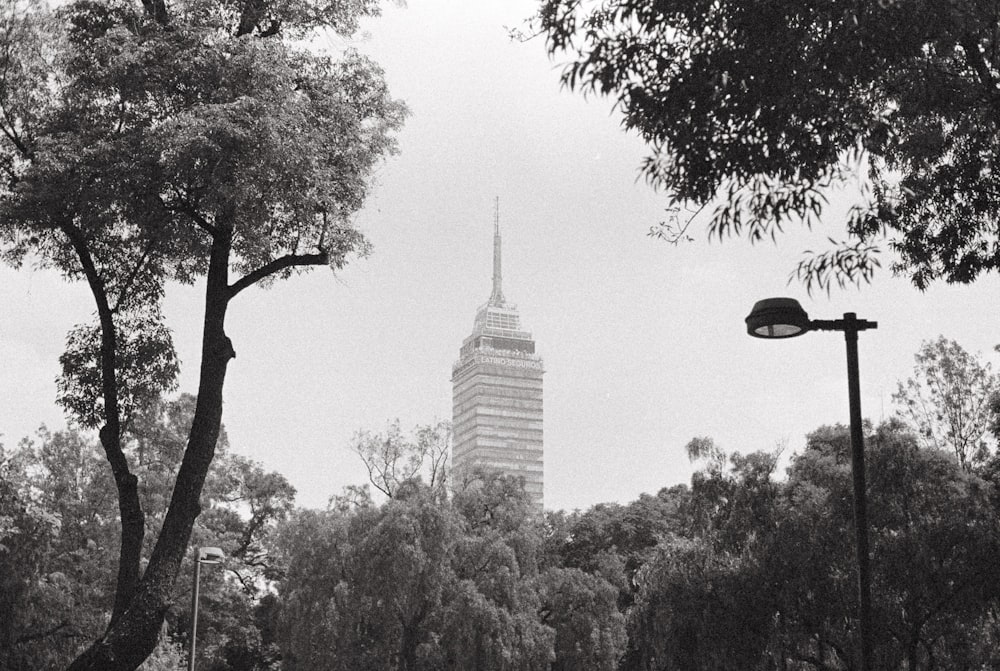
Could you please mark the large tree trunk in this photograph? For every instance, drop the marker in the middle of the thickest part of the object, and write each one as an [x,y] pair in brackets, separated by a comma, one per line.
[131,636]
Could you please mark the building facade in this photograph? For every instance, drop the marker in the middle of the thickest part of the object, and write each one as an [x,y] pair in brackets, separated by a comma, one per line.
[497,394]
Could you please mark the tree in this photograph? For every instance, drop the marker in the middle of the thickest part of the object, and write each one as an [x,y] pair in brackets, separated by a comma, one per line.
[393,460]
[760,108]
[949,400]
[817,593]
[426,582]
[767,582]
[489,499]
[62,535]
[146,144]
[583,610]
[57,543]
[938,578]
[699,608]
[405,586]
[934,531]
[614,541]
[30,635]
[702,600]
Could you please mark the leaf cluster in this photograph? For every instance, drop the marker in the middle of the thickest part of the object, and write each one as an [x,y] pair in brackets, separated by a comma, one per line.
[146,364]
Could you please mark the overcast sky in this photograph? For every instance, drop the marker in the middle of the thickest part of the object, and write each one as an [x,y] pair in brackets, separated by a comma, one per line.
[644,344]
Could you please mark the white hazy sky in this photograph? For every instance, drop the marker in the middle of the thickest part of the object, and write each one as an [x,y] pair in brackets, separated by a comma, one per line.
[644,344]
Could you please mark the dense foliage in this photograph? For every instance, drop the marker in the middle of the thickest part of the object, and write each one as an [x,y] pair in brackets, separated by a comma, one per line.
[58,538]
[757,108]
[776,589]
[422,583]
[741,569]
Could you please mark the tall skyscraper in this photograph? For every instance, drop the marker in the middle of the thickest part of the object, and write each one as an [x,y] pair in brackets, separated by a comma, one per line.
[497,393]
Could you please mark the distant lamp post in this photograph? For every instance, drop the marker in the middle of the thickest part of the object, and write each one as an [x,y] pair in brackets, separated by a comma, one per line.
[202,556]
[785,318]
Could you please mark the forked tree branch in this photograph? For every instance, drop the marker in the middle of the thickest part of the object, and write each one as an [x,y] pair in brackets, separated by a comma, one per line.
[199,220]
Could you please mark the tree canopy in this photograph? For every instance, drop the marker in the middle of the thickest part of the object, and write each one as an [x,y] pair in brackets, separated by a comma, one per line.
[757,109]
[766,582]
[144,143]
[419,583]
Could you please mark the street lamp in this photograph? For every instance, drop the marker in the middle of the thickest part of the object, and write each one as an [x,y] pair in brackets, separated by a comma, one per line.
[785,318]
[202,556]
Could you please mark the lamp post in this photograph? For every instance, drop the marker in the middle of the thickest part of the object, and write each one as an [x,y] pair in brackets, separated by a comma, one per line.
[785,318]
[202,556]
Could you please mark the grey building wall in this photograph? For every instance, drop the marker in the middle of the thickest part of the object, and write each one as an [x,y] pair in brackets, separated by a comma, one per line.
[497,416]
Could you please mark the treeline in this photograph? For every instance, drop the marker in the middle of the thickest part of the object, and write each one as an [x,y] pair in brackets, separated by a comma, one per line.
[737,570]
[750,566]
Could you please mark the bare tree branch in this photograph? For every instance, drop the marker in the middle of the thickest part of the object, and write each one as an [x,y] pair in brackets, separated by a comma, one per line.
[277,265]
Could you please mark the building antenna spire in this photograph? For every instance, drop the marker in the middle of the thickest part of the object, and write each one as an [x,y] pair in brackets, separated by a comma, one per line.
[496,298]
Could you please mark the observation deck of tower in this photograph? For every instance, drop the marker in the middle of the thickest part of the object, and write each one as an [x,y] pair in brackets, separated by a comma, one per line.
[497,393]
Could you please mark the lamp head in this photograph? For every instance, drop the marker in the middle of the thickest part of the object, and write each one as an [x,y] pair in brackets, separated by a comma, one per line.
[210,555]
[777,318]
